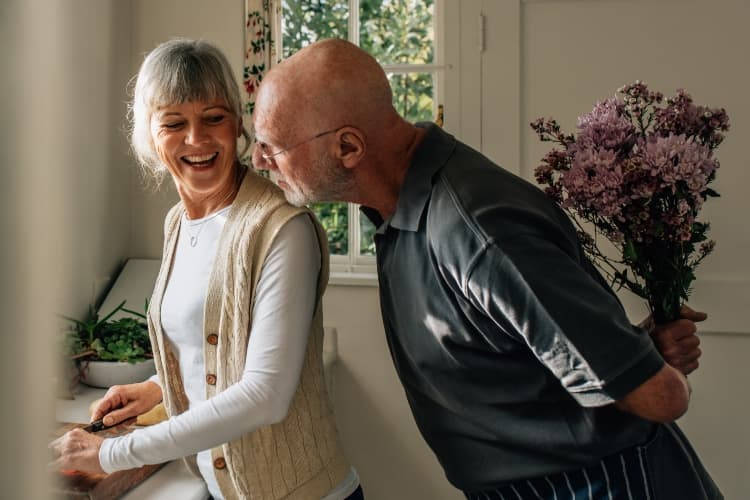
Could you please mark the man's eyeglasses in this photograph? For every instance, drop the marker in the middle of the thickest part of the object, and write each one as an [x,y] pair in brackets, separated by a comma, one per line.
[267,155]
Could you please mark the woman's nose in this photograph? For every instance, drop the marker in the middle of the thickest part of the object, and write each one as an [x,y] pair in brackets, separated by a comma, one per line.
[196,135]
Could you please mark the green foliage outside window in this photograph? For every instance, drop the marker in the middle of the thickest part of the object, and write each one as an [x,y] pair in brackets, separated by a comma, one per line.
[305,21]
[335,220]
[394,32]
[401,32]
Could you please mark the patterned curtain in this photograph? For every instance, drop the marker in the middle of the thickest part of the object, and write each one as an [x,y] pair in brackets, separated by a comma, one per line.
[262,28]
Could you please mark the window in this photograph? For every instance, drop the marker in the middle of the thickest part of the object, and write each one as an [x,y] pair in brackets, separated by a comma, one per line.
[403,36]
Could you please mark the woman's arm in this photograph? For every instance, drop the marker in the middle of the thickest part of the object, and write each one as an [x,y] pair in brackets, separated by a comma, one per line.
[282,316]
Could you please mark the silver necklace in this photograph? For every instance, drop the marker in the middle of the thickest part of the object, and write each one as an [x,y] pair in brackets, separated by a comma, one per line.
[239,174]
[194,236]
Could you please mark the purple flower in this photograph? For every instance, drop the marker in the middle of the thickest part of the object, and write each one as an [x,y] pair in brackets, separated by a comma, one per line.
[594,181]
[683,116]
[638,172]
[677,158]
[606,126]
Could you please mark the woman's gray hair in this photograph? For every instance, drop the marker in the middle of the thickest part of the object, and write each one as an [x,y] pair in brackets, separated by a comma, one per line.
[178,71]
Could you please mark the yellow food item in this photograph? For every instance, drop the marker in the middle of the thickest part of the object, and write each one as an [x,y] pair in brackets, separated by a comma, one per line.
[93,405]
[153,416]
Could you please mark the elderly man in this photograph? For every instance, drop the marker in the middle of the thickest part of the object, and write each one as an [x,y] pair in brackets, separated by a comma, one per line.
[521,368]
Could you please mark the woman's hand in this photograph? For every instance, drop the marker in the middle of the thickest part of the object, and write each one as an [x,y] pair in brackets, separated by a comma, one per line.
[122,402]
[77,450]
[677,340]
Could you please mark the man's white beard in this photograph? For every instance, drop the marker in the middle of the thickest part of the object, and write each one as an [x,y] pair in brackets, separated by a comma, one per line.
[332,182]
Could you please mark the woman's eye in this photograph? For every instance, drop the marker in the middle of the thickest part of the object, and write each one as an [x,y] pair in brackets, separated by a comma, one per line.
[215,118]
[172,125]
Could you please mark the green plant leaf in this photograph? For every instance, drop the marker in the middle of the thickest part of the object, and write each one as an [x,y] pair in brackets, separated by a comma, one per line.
[122,339]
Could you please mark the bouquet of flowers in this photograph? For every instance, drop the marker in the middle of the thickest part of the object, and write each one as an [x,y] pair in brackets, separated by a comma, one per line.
[637,175]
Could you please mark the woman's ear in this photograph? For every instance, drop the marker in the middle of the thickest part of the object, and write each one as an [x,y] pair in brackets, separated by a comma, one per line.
[351,146]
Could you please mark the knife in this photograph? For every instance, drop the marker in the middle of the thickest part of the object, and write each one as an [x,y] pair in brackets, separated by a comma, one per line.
[98,425]
[95,426]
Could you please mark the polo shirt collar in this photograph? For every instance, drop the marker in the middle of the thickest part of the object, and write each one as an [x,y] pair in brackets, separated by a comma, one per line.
[429,157]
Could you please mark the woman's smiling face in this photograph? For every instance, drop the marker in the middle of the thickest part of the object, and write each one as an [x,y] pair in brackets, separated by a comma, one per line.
[197,142]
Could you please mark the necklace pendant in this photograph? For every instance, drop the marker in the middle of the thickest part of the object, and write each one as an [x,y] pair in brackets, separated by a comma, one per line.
[193,241]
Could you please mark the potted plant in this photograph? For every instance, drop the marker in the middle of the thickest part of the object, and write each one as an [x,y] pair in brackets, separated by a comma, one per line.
[109,351]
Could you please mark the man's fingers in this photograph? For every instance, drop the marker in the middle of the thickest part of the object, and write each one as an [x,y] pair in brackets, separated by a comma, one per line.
[686,349]
[686,362]
[689,343]
[689,368]
[688,313]
[674,331]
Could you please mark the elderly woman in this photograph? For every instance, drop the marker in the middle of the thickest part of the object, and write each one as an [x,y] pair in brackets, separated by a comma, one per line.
[235,318]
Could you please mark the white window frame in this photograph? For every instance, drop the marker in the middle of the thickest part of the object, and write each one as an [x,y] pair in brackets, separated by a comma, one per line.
[354,268]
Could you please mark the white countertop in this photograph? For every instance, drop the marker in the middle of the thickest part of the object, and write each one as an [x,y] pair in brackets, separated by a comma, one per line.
[168,483]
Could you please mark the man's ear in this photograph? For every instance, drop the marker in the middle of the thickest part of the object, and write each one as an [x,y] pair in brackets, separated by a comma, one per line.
[350,146]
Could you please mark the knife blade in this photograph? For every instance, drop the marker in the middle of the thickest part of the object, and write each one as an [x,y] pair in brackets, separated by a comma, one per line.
[95,426]
[98,425]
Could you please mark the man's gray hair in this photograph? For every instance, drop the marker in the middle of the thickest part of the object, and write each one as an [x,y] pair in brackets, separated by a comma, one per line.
[178,71]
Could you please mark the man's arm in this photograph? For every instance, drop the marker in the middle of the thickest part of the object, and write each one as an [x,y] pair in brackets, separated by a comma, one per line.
[665,396]
[662,398]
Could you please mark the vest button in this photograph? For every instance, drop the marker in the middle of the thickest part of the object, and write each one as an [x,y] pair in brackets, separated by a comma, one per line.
[211,379]
[220,463]
[212,339]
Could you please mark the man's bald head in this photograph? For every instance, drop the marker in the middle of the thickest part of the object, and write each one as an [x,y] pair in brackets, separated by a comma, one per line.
[330,83]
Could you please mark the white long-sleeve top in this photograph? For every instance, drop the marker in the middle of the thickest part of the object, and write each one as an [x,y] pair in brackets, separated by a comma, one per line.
[282,315]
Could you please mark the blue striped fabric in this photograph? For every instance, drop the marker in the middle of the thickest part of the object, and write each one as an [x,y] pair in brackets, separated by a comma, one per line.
[617,477]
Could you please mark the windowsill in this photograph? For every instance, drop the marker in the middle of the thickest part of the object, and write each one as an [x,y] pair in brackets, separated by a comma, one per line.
[347,278]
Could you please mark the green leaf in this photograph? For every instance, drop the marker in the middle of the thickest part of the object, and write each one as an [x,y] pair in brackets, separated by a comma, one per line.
[710,193]
[123,339]
[629,252]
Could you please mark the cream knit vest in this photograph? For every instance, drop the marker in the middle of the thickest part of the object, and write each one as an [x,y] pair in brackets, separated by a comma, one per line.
[299,458]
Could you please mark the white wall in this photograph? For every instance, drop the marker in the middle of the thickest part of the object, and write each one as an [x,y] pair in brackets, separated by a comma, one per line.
[78,83]
[101,166]
[63,220]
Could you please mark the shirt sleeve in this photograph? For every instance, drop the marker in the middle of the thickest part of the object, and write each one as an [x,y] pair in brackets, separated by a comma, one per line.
[282,316]
[566,315]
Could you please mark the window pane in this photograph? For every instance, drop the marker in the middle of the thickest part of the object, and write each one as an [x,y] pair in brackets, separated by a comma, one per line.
[412,95]
[398,31]
[305,21]
[366,233]
[335,220]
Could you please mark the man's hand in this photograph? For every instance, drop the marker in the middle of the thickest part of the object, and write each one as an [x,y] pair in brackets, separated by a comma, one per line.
[677,340]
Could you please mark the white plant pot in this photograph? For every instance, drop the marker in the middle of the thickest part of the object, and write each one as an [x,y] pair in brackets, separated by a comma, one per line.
[108,373]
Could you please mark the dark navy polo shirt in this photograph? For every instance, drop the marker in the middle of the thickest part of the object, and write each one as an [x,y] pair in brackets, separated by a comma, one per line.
[509,344]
